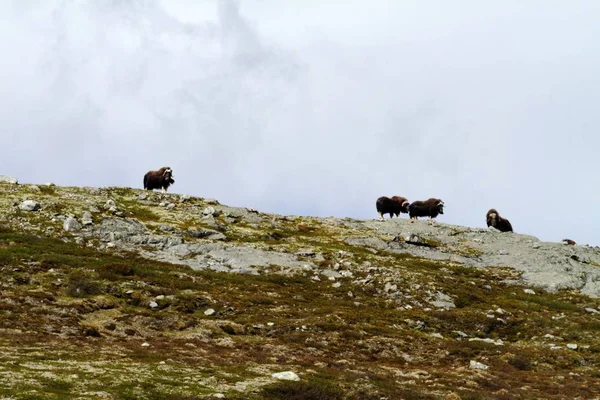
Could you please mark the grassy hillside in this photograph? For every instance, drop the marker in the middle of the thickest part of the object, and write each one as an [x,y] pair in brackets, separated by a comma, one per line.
[83,317]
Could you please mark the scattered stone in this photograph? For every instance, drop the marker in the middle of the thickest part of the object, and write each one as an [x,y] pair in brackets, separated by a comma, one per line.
[145,344]
[503,252]
[536,246]
[477,365]
[160,297]
[528,291]
[218,396]
[210,211]
[153,304]
[572,346]
[305,253]
[592,310]
[71,225]
[498,342]
[86,218]
[29,205]
[270,323]
[436,335]
[390,287]
[336,285]
[170,206]
[8,179]
[286,376]
[442,301]
[209,312]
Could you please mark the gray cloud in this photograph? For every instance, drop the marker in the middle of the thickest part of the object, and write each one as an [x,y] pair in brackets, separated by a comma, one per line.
[313,108]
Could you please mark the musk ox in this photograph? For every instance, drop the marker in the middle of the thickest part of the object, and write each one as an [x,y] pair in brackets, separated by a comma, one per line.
[160,179]
[392,206]
[494,219]
[429,208]
[569,242]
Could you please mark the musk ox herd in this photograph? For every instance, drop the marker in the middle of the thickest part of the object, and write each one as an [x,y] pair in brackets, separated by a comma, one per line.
[395,205]
[431,208]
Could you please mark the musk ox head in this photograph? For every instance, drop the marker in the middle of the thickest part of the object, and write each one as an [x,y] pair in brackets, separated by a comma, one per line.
[491,217]
[494,219]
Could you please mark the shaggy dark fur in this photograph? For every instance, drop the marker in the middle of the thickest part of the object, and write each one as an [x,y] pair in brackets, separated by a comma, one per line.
[393,206]
[569,242]
[494,219]
[160,179]
[429,208]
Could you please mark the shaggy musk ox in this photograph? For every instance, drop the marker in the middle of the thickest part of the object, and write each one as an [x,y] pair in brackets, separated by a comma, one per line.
[429,208]
[494,219]
[160,179]
[393,206]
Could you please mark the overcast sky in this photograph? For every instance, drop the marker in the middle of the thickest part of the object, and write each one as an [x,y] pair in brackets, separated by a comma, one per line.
[314,107]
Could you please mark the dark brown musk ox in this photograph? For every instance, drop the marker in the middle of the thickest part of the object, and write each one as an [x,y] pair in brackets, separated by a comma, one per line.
[392,206]
[494,219]
[429,208]
[160,179]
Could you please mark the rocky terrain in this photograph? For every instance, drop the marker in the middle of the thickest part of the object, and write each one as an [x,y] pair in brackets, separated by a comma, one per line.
[120,293]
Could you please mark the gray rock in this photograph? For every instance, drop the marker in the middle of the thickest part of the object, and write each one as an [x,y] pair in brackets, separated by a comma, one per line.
[86,218]
[153,304]
[442,300]
[29,205]
[572,346]
[209,312]
[71,225]
[592,310]
[8,179]
[528,291]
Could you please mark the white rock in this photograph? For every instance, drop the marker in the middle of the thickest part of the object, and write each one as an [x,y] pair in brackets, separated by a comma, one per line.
[270,323]
[572,346]
[29,205]
[86,218]
[209,312]
[71,225]
[592,310]
[153,304]
[336,285]
[503,252]
[8,179]
[528,291]
[477,365]
[160,297]
[286,376]
[218,396]
[145,344]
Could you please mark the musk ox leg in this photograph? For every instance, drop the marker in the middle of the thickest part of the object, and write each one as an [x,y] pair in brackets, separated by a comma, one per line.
[381,216]
[163,190]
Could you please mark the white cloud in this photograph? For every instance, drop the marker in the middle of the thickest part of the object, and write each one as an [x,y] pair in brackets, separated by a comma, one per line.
[311,107]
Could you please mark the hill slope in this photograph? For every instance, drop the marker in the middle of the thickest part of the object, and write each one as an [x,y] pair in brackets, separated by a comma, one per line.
[118,293]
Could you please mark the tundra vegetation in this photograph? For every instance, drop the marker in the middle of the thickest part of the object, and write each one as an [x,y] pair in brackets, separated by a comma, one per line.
[88,315]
